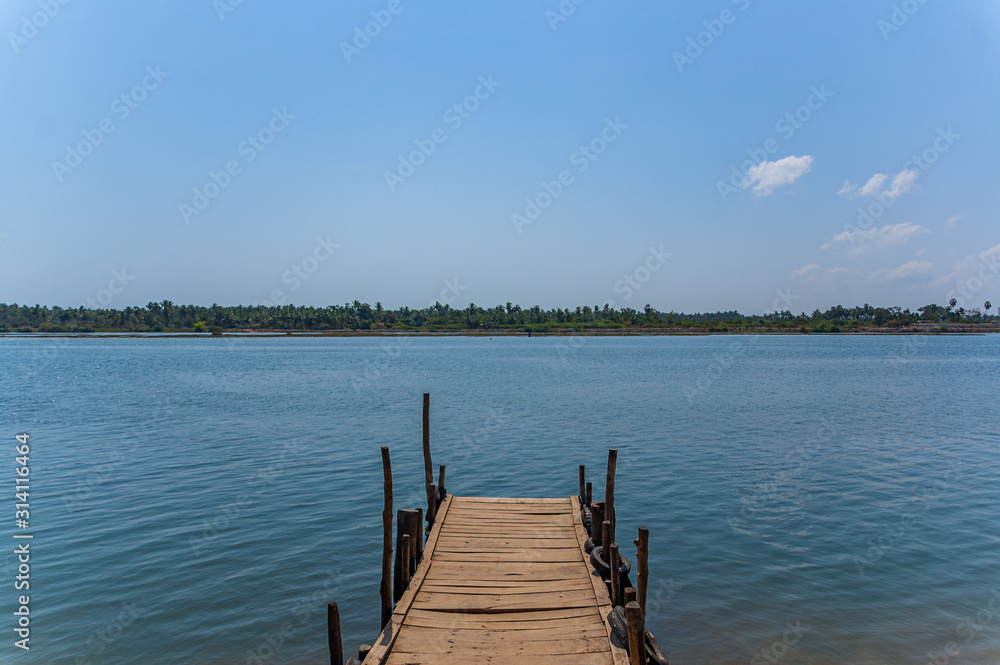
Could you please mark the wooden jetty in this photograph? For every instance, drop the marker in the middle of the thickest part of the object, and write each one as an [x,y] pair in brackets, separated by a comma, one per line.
[503,580]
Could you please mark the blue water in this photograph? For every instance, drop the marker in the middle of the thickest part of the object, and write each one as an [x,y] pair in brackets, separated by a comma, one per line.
[199,500]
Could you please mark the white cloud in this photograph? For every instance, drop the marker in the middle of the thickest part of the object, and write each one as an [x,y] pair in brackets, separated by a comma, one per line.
[920,252]
[807,273]
[879,237]
[983,266]
[952,221]
[766,176]
[899,184]
[912,271]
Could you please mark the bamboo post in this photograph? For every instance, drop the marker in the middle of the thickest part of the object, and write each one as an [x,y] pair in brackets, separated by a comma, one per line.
[616,579]
[609,491]
[642,566]
[590,493]
[636,634]
[583,481]
[407,559]
[385,586]
[404,526]
[596,522]
[333,634]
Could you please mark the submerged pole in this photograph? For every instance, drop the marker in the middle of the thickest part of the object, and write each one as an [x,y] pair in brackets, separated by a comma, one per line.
[385,586]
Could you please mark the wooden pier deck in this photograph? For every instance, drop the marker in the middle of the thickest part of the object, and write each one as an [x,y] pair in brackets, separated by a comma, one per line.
[502,581]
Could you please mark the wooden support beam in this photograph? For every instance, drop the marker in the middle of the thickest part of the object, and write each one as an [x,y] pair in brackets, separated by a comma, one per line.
[363,652]
[629,594]
[583,481]
[636,634]
[333,634]
[589,495]
[385,585]
[609,491]
[440,485]
[642,566]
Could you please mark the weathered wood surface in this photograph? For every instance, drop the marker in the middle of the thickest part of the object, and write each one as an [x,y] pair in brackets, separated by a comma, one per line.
[502,580]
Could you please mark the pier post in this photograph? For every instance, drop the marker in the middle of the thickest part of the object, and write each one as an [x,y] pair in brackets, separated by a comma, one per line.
[440,485]
[404,526]
[609,491]
[428,471]
[417,533]
[616,578]
[589,495]
[629,594]
[431,504]
[583,482]
[596,523]
[415,528]
[642,566]
[407,559]
[333,634]
[606,539]
[636,634]
[385,585]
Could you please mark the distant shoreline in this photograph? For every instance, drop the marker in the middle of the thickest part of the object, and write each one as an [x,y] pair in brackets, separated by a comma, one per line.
[935,329]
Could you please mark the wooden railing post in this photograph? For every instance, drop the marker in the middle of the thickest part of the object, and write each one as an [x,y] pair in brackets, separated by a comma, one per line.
[404,526]
[385,586]
[636,634]
[616,578]
[642,566]
[431,504]
[333,634]
[609,491]
[597,523]
[407,559]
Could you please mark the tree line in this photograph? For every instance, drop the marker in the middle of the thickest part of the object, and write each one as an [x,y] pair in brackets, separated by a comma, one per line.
[357,316]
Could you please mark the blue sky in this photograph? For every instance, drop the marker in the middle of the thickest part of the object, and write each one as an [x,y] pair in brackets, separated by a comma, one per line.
[693,156]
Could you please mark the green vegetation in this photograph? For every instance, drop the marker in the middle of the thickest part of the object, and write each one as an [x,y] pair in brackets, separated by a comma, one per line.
[357,316]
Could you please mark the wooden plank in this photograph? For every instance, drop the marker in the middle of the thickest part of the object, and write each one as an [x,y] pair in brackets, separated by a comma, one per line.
[434,586]
[574,616]
[500,659]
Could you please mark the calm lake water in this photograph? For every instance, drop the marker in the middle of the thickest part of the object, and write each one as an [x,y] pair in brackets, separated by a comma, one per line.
[192,497]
